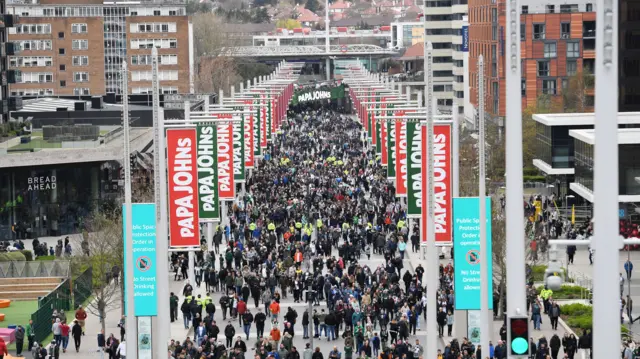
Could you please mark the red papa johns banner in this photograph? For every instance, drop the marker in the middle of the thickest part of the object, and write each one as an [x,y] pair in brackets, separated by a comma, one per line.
[401,156]
[442,144]
[183,187]
[263,121]
[226,184]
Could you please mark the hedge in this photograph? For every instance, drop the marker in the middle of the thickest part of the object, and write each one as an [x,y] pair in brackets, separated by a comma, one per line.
[27,254]
[533,178]
[580,317]
[537,273]
[566,292]
[45,258]
[12,256]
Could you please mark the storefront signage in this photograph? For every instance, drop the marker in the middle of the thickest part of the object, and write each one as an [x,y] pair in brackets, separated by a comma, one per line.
[466,253]
[415,135]
[145,295]
[226,184]
[442,185]
[401,157]
[238,150]
[183,187]
[41,183]
[208,207]
[314,96]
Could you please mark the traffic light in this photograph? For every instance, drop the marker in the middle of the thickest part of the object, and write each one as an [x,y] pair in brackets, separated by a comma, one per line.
[519,338]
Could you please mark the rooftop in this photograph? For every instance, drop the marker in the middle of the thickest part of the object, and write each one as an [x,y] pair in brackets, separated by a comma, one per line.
[582,119]
[51,104]
[626,136]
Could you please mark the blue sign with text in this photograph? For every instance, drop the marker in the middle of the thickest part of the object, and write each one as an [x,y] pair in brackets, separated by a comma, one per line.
[144,258]
[465,39]
[466,253]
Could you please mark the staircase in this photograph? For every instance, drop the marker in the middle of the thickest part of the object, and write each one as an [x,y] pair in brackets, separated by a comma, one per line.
[27,288]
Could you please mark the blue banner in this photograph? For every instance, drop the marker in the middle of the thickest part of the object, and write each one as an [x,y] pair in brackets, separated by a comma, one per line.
[465,39]
[466,253]
[144,258]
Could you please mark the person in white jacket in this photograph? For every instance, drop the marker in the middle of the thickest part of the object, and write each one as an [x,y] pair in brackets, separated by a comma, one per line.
[122,350]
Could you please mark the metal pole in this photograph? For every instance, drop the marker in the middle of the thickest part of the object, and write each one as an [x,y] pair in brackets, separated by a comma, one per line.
[516,305]
[484,255]
[606,327]
[131,322]
[163,330]
[432,271]
[191,269]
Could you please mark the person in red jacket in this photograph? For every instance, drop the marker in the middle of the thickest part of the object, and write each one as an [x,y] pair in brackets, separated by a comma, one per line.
[3,349]
[81,316]
[242,308]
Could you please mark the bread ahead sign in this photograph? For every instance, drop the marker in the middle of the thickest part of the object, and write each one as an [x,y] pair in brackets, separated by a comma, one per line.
[314,96]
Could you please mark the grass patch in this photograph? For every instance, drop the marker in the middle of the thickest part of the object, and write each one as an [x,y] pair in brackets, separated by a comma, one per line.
[46,258]
[566,292]
[18,313]
[580,317]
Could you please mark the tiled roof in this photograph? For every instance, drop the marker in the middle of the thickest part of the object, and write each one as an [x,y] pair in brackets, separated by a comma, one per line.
[414,52]
[340,4]
[307,15]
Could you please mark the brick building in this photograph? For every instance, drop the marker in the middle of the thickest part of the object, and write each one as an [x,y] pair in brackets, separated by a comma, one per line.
[558,41]
[77,48]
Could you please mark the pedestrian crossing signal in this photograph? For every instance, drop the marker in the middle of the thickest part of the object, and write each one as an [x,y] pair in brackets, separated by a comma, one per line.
[519,339]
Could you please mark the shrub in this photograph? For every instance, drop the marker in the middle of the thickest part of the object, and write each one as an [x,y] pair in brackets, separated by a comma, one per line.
[537,273]
[533,178]
[12,256]
[576,309]
[580,322]
[27,254]
[45,258]
[566,292]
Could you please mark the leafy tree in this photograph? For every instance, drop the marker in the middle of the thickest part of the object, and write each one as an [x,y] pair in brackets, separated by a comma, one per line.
[544,104]
[312,5]
[288,24]
[194,7]
[261,16]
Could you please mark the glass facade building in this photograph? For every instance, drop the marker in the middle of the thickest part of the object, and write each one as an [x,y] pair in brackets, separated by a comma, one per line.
[555,146]
[53,200]
[628,167]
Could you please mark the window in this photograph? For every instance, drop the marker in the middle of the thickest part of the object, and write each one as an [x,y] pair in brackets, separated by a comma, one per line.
[80,77]
[63,67]
[61,51]
[36,77]
[168,59]
[153,27]
[81,91]
[164,75]
[551,9]
[156,12]
[63,83]
[543,68]
[569,8]
[79,28]
[80,44]
[539,31]
[61,35]
[151,43]
[34,45]
[30,29]
[523,32]
[169,90]
[32,92]
[549,87]
[572,67]
[565,30]
[589,7]
[141,90]
[525,9]
[523,87]
[565,83]
[80,60]
[30,61]
[550,50]
[573,49]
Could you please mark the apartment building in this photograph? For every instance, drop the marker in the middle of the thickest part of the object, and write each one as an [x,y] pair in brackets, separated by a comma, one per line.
[70,48]
[557,42]
[444,22]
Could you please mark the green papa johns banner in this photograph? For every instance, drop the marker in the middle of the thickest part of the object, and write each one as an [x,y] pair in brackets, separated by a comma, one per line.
[414,169]
[209,207]
[324,93]
[391,147]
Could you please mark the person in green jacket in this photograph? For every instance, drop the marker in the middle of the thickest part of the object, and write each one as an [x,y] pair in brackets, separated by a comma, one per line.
[30,335]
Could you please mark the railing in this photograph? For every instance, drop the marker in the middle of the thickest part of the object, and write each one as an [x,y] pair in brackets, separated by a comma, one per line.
[58,299]
[82,287]
[22,269]
[113,134]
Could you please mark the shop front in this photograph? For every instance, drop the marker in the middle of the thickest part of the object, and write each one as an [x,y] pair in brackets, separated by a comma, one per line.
[54,200]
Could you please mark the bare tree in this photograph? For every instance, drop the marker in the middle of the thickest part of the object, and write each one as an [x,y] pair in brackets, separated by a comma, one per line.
[104,243]
[499,252]
[575,95]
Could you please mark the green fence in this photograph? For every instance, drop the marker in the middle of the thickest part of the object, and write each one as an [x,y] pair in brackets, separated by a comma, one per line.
[58,299]
[82,287]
